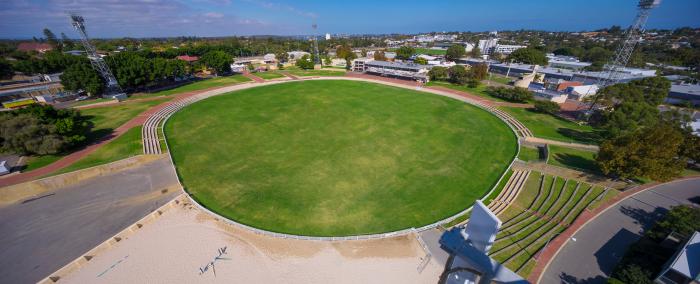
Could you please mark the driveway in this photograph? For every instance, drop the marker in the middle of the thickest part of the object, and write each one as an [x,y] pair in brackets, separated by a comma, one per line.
[41,235]
[592,253]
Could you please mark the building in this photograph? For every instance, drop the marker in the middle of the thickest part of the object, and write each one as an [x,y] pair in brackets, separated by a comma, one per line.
[34,46]
[566,62]
[407,71]
[489,46]
[559,85]
[328,36]
[684,93]
[684,267]
[296,55]
[580,92]
[507,48]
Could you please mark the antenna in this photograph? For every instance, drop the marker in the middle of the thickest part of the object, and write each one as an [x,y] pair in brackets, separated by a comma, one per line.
[624,52]
[317,59]
[112,86]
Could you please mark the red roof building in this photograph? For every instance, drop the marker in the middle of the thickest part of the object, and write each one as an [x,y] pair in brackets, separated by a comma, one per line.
[188,58]
[34,46]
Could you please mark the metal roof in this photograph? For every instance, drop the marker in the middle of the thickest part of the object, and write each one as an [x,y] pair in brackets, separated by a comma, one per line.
[397,65]
[688,261]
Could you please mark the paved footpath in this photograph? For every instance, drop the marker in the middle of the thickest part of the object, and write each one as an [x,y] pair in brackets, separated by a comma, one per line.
[588,251]
[40,235]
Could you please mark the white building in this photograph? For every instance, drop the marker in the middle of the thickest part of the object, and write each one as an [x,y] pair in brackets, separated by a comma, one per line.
[489,46]
[392,69]
[507,48]
[328,36]
[296,55]
[580,92]
[566,62]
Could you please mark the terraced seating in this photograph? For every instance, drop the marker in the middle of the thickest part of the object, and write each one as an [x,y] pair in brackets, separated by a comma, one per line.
[509,192]
[556,204]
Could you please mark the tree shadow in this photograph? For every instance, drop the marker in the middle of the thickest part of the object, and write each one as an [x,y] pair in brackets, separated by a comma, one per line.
[566,278]
[589,137]
[642,217]
[610,254]
[576,161]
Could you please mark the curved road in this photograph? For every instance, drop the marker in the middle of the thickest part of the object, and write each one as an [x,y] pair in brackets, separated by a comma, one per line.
[592,253]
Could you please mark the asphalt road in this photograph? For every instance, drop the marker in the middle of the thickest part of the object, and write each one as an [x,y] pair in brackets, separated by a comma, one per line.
[41,235]
[592,253]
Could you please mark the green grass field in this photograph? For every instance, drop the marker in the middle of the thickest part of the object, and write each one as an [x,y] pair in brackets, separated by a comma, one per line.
[554,128]
[125,146]
[35,162]
[269,75]
[572,158]
[330,158]
[528,154]
[328,72]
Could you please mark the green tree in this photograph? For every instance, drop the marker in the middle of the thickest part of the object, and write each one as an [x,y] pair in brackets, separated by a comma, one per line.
[479,71]
[597,55]
[345,52]
[438,73]
[305,62]
[282,57]
[510,94]
[454,52]
[220,61]
[327,61]
[82,77]
[653,152]
[405,52]
[420,60]
[66,42]
[634,274]
[682,220]
[528,56]
[458,75]
[6,70]
[41,129]
[51,39]
[547,107]
[476,52]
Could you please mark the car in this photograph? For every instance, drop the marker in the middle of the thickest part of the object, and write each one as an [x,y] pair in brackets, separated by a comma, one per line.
[81,98]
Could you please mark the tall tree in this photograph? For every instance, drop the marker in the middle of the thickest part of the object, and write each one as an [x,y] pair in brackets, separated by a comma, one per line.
[82,77]
[454,52]
[218,60]
[654,152]
[6,70]
[379,55]
[528,56]
[476,52]
[345,52]
[67,42]
[458,74]
[51,39]
[405,52]
[479,71]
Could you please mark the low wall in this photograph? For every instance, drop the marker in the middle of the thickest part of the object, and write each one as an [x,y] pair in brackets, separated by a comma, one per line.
[35,188]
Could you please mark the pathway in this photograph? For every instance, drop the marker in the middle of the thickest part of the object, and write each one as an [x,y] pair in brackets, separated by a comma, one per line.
[587,147]
[591,247]
[256,79]
[39,235]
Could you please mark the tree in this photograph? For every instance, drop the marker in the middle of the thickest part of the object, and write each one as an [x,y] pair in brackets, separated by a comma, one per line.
[597,55]
[496,55]
[305,62]
[634,274]
[454,52]
[282,56]
[479,71]
[476,52]
[458,75]
[6,70]
[379,55]
[327,61]
[82,77]
[41,129]
[345,52]
[405,52]
[51,38]
[220,61]
[528,56]
[548,107]
[510,94]
[420,60]
[438,73]
[653,152]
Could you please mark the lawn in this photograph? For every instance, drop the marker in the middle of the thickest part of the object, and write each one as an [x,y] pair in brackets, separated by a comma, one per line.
[125,146]
[478,91]
[572,158]
[104,119]
[269,75]
[529,154]
[198,85]
[554,128]
[330,158]
[500,79]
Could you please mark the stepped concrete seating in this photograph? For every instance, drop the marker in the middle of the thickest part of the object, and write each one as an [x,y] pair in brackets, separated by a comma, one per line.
[510,192]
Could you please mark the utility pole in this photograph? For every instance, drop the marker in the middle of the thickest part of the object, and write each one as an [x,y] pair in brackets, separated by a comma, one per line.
[112,90]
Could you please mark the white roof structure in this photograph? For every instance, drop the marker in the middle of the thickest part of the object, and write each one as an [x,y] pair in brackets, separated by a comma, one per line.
[585,90]
[3,168]
[687,262]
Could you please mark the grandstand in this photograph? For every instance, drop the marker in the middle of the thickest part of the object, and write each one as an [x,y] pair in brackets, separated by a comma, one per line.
[545,207]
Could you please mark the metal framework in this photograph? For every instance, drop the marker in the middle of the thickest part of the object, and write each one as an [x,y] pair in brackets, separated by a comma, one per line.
[112,86]
[317,58]
[624,52]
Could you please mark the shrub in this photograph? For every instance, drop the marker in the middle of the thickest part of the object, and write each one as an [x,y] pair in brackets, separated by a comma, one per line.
[305,62]
[547,107]
[458,75]
[473,83]
[438,73]
[510,94]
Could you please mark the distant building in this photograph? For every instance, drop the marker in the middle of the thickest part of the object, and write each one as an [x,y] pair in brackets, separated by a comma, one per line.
[399,70]
[34,46]
[580,92]
[684,93]
[566,62]
[188,58]
[507,48]
[328,36]
[684,266]
[489,46]
[296,55]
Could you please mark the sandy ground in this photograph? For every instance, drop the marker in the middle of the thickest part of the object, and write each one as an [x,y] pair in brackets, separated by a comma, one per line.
[184,241]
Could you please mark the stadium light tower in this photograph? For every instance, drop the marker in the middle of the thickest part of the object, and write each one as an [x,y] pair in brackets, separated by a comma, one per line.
[317,59]
[624,52]
[112,86]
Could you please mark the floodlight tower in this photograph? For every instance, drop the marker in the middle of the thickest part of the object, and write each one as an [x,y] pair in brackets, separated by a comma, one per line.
[112,86]
[624,52]
[317,59]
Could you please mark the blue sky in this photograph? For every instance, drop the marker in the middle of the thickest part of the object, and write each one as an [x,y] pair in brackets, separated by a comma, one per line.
[158,18]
